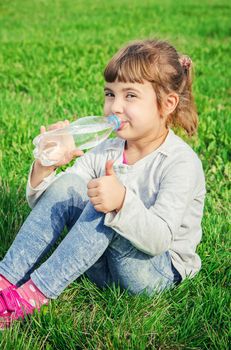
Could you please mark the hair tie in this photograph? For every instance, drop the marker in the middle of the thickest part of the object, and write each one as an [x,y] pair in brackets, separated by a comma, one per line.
[185,62]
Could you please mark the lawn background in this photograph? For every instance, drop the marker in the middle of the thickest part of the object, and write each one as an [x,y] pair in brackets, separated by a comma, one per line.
[52,54]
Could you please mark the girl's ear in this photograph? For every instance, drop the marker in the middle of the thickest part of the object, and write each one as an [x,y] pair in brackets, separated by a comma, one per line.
[170,102]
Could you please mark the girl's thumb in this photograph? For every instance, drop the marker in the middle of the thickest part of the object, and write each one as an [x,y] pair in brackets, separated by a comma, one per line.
[76,153]
[109,168]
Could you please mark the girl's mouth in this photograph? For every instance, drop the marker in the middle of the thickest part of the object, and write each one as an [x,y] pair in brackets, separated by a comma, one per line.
[123,123]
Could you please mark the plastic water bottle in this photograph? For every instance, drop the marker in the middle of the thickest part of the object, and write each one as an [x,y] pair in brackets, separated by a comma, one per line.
[85,133]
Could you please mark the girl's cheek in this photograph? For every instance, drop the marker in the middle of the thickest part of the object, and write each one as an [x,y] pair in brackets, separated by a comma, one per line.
[131,112]
[106,108]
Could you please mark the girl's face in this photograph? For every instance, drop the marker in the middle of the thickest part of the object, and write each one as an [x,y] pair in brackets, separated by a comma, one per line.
[136,106]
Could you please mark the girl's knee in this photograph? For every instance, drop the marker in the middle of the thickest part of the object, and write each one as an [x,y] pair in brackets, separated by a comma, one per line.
[135,271]
[66,180]
[67,186]
[144,283]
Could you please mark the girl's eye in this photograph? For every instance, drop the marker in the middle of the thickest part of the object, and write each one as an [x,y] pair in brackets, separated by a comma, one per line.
[129,95]
[109,94]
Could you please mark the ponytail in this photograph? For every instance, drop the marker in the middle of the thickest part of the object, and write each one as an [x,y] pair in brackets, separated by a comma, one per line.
[185,115]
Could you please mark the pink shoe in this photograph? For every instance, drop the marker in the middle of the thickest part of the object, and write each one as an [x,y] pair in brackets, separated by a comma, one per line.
[12,307]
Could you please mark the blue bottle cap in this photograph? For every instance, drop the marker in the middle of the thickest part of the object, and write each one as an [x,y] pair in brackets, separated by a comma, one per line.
[113,119]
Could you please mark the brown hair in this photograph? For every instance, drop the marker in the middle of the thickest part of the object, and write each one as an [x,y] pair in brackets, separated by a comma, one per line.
[168,71]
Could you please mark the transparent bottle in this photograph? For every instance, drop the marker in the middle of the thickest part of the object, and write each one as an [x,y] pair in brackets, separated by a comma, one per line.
[84,133]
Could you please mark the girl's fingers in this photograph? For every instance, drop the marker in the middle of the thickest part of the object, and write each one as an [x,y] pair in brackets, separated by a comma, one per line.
[60,124]
[57,125]
[42,129]
[93,193]
[95,201]
[73,154]
[70,156]
[99,207]
[77,153]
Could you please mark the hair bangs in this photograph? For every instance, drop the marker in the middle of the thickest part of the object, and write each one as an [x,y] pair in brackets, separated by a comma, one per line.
[126,70]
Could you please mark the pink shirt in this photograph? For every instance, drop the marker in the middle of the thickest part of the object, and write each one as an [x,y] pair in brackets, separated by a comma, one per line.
[124,158]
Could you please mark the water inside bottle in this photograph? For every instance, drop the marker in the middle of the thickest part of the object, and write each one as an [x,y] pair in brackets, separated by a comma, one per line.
[51,147]
[90,137]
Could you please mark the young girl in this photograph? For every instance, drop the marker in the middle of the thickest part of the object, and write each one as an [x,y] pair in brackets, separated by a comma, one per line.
[132,205]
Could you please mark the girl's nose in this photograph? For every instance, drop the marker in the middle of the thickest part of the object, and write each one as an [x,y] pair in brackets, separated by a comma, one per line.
[117,106]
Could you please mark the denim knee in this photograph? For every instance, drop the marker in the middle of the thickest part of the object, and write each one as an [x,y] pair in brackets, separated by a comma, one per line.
[68,186]
[136,271]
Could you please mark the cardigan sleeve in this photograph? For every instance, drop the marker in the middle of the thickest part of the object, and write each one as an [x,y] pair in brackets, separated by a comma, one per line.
[84,167]
[153,229]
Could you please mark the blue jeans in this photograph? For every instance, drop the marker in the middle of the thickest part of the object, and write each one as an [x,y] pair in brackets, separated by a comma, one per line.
[89,247]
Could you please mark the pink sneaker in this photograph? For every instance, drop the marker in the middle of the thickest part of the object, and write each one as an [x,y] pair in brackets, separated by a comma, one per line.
[12,307]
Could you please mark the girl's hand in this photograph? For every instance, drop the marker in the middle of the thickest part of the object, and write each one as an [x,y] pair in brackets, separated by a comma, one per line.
[107,192]
[58,125]
[67,151]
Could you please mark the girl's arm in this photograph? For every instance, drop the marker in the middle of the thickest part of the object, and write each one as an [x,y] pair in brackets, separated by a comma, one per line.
[179,202]
[40,178]
[40,172]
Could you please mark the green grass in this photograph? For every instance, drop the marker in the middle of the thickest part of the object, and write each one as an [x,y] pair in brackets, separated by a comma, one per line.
[52,54]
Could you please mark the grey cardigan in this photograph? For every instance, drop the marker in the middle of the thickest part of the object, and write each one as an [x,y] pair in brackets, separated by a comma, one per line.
[164,199]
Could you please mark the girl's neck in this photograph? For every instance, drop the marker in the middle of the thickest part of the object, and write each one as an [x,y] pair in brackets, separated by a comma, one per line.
[135,150]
